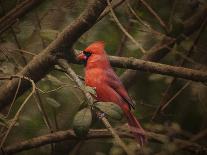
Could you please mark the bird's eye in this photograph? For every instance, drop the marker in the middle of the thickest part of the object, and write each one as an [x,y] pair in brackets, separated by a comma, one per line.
[88,54]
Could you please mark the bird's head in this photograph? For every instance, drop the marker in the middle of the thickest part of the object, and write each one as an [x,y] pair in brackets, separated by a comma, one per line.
[96,48]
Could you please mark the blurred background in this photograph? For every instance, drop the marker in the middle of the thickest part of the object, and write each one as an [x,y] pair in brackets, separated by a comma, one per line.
[149,23]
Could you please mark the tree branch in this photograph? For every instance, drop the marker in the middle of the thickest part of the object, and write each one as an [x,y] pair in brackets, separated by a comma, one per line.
[60,136]
[153,67]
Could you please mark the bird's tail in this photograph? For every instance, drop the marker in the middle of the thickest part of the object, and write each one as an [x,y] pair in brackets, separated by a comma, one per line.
[136,128]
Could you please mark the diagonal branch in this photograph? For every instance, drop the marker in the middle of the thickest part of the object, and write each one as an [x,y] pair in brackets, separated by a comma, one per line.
[149,8]
[107,10]
[123,29]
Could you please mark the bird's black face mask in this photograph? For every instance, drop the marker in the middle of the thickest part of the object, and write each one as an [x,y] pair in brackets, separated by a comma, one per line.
[86,56]
[83,56]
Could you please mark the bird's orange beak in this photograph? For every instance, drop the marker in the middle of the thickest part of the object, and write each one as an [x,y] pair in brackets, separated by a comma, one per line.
[81,56]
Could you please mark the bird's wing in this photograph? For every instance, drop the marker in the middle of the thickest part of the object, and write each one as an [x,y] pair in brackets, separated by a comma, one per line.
[115,83]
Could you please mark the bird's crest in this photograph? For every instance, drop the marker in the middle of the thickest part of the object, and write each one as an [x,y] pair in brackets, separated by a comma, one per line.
[96,47]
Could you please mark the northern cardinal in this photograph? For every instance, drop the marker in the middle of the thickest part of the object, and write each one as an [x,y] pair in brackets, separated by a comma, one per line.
[99,74]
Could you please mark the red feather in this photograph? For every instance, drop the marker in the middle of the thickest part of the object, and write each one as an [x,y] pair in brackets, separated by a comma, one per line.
[99,74]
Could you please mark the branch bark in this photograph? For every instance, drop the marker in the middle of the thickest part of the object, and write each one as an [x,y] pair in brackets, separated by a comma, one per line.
[42,63]
[153,67]
[12,17]
[60,136]
[161,49]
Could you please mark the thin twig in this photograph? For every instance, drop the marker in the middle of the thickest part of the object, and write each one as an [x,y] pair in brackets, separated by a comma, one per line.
[194,138]
[44,115]
[141,21]
[39,29]
[77,148]
[171,14]
[19,46]
[187,59]
[16,117]
[149,8]
[56,89]
[120,49]
[42,110]
[200,135]
[161,107]
[170,87]
[4,51]
[123,29]
[176,94]
[107,10]
[18,86]
[137,17]
[23,51]
[116,136]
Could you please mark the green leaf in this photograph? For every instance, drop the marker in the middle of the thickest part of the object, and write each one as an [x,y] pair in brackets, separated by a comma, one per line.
[52,102]
[110,108]
[49,34]
[82,122]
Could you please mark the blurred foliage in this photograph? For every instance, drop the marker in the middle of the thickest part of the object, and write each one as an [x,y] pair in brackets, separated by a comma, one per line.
[184,117]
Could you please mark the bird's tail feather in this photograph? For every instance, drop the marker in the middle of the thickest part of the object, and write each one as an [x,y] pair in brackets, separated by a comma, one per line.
[136,128]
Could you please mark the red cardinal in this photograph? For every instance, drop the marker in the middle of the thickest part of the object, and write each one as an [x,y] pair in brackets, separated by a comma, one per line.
[99,74]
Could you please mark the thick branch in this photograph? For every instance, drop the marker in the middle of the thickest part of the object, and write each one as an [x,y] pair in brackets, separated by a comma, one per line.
[161,49]
[40,64]
[153,67]
[10,18]
[94,134]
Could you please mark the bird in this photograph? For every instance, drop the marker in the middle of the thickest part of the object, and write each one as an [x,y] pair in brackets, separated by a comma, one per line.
[109,88]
